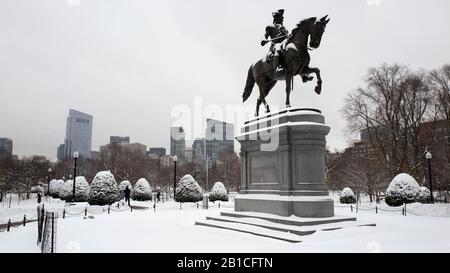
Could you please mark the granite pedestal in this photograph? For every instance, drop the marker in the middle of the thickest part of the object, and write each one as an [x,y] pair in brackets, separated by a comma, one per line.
[283,164]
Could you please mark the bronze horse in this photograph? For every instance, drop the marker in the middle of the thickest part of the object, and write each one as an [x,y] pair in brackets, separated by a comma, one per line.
[295,61]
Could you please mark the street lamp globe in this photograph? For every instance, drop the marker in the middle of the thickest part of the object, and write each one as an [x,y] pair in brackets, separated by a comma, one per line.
[428,155]
[175,158]
[49,170]
[76,154]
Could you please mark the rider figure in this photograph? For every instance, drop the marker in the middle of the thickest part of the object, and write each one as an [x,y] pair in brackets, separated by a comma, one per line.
[277,33]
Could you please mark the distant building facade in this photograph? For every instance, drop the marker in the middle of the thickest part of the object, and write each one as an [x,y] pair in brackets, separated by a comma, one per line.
[78,134]
[219,138]
[177,142]
[166,161]
[198,151]
[60,153]
[160,151]
[6,148]
[119,139]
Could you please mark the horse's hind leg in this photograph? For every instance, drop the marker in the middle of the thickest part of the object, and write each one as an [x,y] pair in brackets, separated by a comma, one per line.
[258,103]
[288,90]
[315,70]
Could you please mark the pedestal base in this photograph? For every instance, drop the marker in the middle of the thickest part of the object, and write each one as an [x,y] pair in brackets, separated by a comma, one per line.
[301,206]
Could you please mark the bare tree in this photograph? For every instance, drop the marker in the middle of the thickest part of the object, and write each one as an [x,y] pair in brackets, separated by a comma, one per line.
[390,108]
[27,172]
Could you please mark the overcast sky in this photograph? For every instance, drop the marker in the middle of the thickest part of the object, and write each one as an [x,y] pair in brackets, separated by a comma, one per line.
[129,63]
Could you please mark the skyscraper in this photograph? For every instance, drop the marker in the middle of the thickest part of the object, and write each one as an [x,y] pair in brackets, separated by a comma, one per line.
[78,134]
[60,154]
[219,138]
[177,142]
[6,148]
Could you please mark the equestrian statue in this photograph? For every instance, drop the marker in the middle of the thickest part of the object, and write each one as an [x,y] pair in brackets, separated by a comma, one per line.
[288,56]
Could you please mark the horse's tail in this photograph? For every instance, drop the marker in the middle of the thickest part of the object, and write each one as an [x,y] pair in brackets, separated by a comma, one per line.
[249,85]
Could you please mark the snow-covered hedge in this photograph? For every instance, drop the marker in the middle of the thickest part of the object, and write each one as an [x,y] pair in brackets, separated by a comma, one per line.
[55,187]
[347,196]
[123,185]
[218,192]
[424,195]
[37,189]
[104,189]
[142,190]
[403,189]
[81,190]
[188,190]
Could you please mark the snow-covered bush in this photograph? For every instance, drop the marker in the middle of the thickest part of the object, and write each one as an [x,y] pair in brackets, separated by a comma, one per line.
[104,189]
[55,187]
[347,196]
[142,190]
[403,189]
[188,190]
[218,192]
[424,195]
[81,190]
[37,189]
[123,185]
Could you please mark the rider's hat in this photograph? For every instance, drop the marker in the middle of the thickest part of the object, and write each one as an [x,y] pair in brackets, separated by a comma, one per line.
[278,13]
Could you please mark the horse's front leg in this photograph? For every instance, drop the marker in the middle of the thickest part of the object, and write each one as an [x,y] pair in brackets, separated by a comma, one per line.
[315,70]
[288,90]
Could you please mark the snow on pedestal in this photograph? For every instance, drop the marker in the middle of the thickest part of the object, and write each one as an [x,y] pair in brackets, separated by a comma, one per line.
[123,185]
[347,196]
[188,190]
[81,190]
[142,190]
[403,189]
[55,187]
[424,195]
[218,192]
[104,189]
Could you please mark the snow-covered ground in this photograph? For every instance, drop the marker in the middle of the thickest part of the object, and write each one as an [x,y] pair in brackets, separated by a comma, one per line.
[170,229]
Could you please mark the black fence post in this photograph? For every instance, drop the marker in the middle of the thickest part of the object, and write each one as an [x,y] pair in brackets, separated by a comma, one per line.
[131,208]
[85,211]
[197,205]
[53,229]
[118,205]
[154,207]
[405,209]
[376,209]
[351,207]
[109,208]
[64,213]
[24,219]
[9,225]
[219,205]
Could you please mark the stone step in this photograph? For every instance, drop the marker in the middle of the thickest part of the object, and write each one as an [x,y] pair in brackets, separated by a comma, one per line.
[291,220]
[298,230]
[259,231]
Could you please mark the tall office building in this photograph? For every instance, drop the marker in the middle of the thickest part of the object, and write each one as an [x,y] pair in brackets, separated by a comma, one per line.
[198,151]
[219,138]
[78,134]
[60,154]
[6,148]
[177,142]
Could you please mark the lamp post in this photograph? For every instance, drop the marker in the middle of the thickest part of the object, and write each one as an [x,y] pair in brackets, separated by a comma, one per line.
[175,158]
[75,156]
[48,182]
[428,157]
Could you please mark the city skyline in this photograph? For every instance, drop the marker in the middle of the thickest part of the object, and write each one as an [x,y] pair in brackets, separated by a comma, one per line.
[59,56]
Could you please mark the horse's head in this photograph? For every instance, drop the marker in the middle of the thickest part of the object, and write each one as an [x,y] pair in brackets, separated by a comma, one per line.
[317,31]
